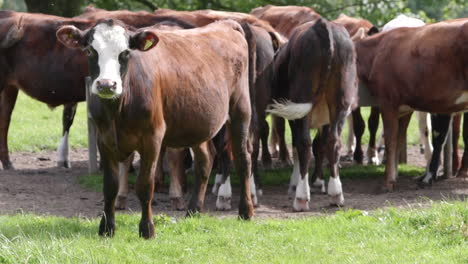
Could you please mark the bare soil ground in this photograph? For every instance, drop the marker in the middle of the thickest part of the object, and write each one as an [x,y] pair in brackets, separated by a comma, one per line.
[38,186]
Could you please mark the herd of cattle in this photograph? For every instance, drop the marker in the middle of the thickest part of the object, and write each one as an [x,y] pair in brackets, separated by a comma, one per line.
[206,80]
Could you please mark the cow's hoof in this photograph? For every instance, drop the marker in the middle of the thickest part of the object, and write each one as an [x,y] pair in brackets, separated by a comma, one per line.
[374,161]
[246,211]
[146,229]
[388,187]
[121,202]
[300,205]
[337,200]
[223,203]
[178,203]
[7,165]
[106,227]
[64,164]
[462,174]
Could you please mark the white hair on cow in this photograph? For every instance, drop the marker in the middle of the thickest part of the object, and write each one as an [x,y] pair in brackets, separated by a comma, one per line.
[289,110]
[109,41]
[403,21]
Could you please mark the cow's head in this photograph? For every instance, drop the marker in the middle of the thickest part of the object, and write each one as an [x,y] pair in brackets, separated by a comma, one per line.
[109,46]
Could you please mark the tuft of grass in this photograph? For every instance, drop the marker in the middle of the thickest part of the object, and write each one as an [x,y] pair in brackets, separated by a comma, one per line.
[438,234]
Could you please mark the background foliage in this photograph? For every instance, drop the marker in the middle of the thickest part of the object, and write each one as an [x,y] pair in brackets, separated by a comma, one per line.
[377,11]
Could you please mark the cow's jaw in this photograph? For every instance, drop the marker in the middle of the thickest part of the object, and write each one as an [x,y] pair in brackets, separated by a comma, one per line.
[109,41]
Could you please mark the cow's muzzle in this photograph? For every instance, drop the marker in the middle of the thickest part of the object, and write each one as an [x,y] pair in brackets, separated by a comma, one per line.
[106,88]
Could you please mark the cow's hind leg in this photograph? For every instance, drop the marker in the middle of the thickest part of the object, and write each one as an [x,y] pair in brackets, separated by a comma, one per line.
[358,127]
[373,121]
[318,149]
[390,120]
[121,202]
[69,111]
[240,119]
[424,140]
[203,157]
[301,141]
[463,172]
[279,127]
[440,126]
[7,102]
[177,172]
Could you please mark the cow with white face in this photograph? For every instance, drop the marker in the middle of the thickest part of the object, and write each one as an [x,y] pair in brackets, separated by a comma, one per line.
[145,85]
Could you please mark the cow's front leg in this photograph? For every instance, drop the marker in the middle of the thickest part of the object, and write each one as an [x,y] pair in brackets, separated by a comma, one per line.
[110,189]
[145,184]
[390,120]
[177,172]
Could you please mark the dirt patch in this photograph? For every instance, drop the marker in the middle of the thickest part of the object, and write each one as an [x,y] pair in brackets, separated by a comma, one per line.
[38,186]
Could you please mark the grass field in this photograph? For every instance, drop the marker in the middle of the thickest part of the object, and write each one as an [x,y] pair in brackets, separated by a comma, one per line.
[438,234]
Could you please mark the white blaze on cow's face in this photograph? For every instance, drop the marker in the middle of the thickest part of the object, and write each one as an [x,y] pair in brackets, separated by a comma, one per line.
[109,41]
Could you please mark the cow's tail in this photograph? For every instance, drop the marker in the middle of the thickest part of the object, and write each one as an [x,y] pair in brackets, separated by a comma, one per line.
[325,35]
[252,47]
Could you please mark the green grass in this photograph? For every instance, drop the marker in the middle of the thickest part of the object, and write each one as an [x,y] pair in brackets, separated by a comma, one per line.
[35,127]
[438,234]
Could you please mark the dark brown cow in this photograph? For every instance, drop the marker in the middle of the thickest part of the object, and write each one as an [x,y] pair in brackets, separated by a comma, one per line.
[432,60]
[30,54]
[284,19]
[314,84]
[142,100]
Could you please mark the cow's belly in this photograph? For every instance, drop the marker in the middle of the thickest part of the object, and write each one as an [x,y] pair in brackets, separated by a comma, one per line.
[191,125]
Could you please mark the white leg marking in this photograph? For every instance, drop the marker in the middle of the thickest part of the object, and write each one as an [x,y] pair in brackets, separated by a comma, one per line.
[223,202]
[335,191]
[216,184]
[63,152]
[427,179]
[319,183]
[296,174]
[289,110]
[253,192]
[373,156]
[301,201]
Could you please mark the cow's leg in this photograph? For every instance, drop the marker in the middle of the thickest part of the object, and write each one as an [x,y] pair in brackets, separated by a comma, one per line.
[144,186]
[301,141]
[456,122]
[318,149]
[255,152]
[351,139]
[403,123]
[69,111]
[177,172]
[203,157]
[222,185]
[295,175]
[463,172]
[358,127]
[159,173]
[440,126]
[121,202]
[240,119]
[7,102]
[279,127]
[373,121]
[333,146]
[390,120]
[424,141]
[110,189]
[263,132]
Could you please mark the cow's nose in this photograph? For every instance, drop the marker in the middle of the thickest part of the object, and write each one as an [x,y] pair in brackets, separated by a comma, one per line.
[106,85]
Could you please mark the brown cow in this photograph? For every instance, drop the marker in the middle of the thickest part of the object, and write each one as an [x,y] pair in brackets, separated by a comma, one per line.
[30,54]
[141,101]
[262,40]
[432,60]
[314,84]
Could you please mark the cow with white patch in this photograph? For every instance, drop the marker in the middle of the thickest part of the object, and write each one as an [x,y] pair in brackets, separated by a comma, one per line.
[314,85]
[145,85]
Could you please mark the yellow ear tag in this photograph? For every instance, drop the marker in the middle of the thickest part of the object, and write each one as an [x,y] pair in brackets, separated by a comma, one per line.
[148,44]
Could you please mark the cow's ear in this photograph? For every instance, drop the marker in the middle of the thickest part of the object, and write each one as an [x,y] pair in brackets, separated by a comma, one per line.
[143,41]
[70,36]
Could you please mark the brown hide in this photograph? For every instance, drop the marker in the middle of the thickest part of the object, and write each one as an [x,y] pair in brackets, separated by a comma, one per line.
[352,24]
[424,68]
[285,18]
